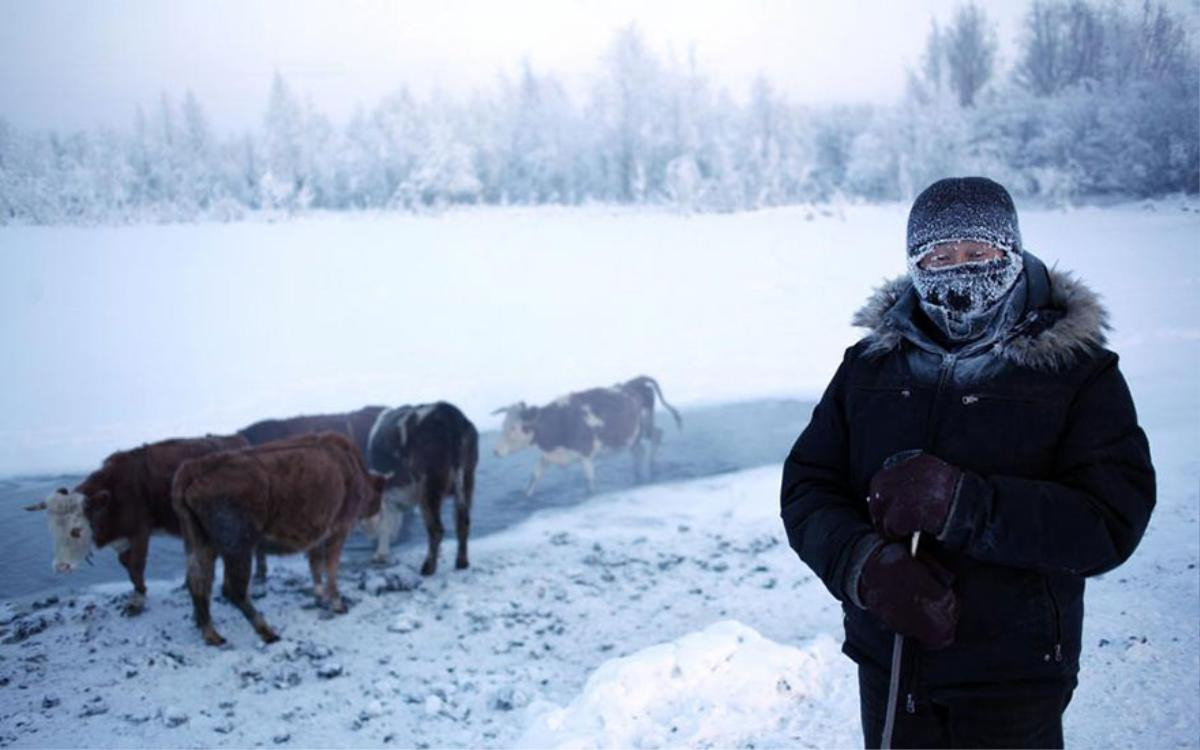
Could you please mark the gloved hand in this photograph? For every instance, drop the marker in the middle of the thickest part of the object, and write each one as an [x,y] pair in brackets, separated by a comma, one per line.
[911,595]
[914,494]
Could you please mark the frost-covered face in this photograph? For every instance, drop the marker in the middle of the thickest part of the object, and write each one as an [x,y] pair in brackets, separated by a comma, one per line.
[515,433]
[962,282]
[964,277]
[69,528]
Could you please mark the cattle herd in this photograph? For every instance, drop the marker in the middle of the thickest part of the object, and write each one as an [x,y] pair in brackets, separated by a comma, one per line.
[285,486]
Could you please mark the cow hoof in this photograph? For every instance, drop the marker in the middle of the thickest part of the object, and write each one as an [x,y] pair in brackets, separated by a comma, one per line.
[258,589]
[428,568]
[461,564]
[133,609]
[268,635]
[213,639]
[381,560]
[339,607]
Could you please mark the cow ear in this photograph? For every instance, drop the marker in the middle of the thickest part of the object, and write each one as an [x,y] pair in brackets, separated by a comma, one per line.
[36,506]
[63,491]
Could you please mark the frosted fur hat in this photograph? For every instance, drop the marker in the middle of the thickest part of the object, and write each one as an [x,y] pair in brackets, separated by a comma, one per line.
[963,208]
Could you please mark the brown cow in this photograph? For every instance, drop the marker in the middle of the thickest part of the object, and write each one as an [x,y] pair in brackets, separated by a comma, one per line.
[303,494]
[121,504]
[355,425]
[578,426]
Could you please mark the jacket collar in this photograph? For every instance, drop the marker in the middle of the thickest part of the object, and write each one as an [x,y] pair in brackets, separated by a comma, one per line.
[1063,319]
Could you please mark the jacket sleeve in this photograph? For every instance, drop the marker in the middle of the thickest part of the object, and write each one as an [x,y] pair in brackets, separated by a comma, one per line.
[1091,516]
[824,522]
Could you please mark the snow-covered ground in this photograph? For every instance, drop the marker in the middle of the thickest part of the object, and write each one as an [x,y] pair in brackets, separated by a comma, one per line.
[667,615]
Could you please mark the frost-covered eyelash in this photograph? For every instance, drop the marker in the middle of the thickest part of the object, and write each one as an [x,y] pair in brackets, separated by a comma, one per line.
[927,249]
[966,267]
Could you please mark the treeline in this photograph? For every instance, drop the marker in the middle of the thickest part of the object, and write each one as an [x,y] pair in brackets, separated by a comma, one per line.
[1101,100]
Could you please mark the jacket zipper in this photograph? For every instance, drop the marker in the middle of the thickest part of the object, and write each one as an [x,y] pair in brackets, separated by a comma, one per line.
[910,701]
[1057,654]
[947,366]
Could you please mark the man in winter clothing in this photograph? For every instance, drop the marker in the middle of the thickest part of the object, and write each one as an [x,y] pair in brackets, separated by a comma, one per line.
[982,411]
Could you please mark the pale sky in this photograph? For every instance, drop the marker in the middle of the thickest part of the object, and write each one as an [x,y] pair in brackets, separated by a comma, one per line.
[66,65]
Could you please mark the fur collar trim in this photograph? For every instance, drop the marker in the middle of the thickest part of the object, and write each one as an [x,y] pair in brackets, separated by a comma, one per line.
[1052,335]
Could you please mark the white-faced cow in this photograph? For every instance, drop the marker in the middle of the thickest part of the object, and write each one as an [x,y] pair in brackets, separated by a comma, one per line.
[303,494]
[121,504]
[430,451]
[581,425]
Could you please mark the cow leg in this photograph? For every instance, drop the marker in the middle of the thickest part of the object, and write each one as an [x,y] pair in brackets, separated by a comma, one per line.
[538,471]
[387,518]
[333,559]
[258,585]
[589,473]
[655,440]
[201,561]
[260,565]
[315,564]
[134,560]
[431,511]
[237,590]
[464,488]
[638,451]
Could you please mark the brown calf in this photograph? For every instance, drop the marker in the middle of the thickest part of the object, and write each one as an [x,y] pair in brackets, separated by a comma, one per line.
[303,494]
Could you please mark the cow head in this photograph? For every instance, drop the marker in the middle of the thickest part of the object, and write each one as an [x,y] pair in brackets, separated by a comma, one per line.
[517,431]
[69,517]
[371,515]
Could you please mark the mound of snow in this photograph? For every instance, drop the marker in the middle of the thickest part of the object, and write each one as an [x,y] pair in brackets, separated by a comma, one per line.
[724,686]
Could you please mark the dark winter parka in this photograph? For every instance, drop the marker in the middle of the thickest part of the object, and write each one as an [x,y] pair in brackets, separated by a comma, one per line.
[1058,484]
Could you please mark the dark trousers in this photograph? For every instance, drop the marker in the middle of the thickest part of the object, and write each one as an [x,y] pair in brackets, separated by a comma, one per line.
[1016,716]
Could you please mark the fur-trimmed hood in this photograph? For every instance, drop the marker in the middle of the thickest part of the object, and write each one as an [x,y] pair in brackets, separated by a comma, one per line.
[1062,321]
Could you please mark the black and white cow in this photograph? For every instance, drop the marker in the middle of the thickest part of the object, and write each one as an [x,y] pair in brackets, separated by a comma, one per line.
[431,450]
[581,425]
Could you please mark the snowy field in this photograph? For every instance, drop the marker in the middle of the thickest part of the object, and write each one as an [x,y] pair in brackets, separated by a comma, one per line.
[671,615]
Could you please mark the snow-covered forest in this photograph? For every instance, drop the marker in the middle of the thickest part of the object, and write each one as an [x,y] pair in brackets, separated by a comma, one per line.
[1099,100]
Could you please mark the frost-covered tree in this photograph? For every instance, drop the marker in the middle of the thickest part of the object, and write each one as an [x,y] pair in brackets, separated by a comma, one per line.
[284,182]
[970,52]
[626,104]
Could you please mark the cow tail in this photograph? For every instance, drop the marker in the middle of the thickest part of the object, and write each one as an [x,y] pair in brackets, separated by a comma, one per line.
[658,391]
[189,523]
[470,459]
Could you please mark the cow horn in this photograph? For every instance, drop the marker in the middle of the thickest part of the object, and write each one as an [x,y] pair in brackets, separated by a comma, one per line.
[503,410]
[36,506]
